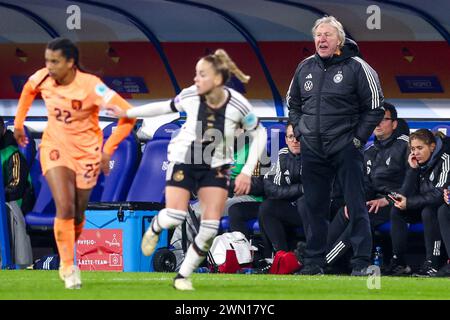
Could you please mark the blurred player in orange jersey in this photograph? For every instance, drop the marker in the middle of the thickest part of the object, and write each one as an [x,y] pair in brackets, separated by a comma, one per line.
[71,149]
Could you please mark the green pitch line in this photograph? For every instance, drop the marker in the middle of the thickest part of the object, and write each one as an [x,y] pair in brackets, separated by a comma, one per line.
[33,284]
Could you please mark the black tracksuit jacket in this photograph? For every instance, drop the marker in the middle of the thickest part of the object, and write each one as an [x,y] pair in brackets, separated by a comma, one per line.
[386,165]
[424,186]
[283,181]
[331,101]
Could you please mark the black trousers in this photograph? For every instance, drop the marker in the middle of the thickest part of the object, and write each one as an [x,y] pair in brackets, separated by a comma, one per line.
[444,226]
[399,232]
[278,220]
[240,213]
[339,232]
[318,174]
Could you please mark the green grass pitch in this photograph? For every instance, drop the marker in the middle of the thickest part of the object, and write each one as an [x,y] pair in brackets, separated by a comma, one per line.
[36,285]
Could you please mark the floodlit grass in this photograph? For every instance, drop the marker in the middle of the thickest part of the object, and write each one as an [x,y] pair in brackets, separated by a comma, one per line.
[37,285]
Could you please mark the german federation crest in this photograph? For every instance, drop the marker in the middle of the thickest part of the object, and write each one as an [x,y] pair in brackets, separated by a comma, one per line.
[338,77]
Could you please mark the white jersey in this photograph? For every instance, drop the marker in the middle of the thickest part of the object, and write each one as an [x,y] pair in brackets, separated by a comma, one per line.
[207,136]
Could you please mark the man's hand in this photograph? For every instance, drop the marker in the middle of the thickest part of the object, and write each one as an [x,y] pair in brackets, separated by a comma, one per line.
[104,163]
[20,136]
[242,184]
[375,205]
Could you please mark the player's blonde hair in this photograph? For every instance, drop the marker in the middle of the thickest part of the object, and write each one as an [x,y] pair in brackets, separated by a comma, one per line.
[223,64]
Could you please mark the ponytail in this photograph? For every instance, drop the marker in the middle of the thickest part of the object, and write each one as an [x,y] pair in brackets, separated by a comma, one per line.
[223,64]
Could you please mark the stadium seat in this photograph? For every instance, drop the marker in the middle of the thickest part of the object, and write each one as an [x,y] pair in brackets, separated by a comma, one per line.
[29,151]
[252,225]
[150,179]
[44,210]
[166,131]
[275,138]
[124,163]
[445,129]
[385,228]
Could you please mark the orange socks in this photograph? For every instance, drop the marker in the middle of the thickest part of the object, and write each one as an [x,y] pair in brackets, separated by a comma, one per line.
[64,230]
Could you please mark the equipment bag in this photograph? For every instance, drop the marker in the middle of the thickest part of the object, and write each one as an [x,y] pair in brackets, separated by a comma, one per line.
[231,251]
[285,262]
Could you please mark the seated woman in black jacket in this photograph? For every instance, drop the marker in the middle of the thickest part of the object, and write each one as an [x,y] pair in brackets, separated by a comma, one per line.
[420,197]
[444,226]
[279,213]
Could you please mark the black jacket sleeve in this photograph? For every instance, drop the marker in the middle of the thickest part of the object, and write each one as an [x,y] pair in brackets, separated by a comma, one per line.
[16,177]
[294,102]
[276,187]
[416,199]
[371,100]
[274,191]
[256,187]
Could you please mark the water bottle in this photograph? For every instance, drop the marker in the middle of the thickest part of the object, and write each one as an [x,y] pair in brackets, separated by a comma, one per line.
[246,271]
[203,270]
[378,257]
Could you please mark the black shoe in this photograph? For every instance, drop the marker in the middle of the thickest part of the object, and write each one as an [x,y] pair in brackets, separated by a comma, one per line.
[360,272]
[300,251]
[427,270]
[444,271]
[310,270]
[262,270]
[398,269]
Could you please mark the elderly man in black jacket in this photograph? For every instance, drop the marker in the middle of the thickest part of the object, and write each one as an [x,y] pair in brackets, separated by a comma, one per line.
[334,101]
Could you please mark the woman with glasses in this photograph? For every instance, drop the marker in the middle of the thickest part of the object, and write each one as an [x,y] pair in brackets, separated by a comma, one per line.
[279,213]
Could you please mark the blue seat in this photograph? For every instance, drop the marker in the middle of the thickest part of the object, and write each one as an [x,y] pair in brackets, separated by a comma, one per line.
[445,129]
[44,210]
[166,131]
[29,151]
[150,178]
[252,225]
[385,228]
[124,163]
[275,140]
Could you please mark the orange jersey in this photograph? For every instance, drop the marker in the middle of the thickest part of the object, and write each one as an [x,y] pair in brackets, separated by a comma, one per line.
[73,110]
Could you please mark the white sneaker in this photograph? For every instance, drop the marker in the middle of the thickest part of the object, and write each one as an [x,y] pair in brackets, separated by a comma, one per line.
[149,241]
[72,279]
[183,284]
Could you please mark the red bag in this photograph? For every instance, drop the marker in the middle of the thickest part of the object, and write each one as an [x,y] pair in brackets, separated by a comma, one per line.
[285,263]
[231,264]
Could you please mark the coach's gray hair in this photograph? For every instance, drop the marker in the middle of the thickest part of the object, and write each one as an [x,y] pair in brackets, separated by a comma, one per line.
[334,23]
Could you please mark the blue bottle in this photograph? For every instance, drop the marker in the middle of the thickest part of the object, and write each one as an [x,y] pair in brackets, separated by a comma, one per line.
[248,271]
[202,270]
[378,257]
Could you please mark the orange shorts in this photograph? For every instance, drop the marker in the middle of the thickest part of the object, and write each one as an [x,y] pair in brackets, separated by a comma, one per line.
[86,166]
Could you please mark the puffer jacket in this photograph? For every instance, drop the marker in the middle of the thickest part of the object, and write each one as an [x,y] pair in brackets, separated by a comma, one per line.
[424,186]
[332,101]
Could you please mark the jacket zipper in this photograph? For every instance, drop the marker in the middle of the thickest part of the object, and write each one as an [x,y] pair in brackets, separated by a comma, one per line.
[319,138]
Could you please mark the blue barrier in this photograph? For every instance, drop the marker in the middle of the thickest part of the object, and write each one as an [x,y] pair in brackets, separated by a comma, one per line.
[4,228]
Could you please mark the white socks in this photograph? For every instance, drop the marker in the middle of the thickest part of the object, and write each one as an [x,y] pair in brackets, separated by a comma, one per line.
[167,219]
[199,248]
